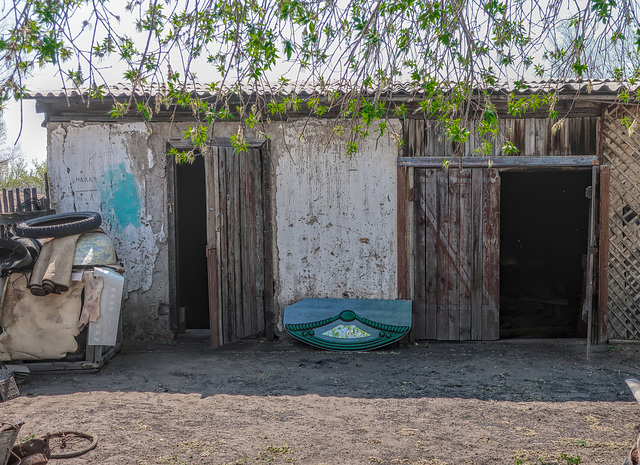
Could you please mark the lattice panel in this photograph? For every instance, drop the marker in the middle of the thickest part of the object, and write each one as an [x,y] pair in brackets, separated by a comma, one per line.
[622,152]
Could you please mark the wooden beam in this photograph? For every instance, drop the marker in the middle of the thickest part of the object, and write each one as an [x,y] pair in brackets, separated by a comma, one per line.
[603,255]
[499,162]
[591,251]
[403,291]
[171,242]
[186,144]
[269,305]
[212,192]
[212,263]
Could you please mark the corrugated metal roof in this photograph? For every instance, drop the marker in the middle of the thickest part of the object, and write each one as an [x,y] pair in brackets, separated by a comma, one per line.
[583,87]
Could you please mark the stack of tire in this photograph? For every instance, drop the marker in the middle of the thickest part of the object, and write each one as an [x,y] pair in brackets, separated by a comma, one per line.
[61,224]
[22,250]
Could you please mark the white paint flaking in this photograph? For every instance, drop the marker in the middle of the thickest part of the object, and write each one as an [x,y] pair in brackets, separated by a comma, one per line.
[336,216]
[82,156]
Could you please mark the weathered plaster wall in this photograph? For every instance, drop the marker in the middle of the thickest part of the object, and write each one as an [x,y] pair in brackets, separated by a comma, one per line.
[336,232]
[118,170]
[335,217]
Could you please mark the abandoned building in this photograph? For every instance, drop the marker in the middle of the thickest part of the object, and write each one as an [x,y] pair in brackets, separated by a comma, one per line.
[542,244]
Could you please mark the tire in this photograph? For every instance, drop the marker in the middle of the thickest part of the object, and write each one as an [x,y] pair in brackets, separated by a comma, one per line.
[67,444]
[62,224]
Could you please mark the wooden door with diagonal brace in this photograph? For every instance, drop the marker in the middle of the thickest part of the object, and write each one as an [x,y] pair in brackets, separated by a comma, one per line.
[457,240]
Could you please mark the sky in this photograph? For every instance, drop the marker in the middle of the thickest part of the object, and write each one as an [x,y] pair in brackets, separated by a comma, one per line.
[33,139]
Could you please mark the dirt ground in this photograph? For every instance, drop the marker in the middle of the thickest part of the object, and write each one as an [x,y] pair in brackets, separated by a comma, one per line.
[179,403]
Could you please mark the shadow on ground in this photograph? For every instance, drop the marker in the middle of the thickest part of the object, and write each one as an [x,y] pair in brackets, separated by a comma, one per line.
[524,370]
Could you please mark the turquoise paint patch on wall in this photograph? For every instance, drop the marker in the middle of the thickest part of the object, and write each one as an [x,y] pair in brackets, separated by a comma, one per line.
[120,198]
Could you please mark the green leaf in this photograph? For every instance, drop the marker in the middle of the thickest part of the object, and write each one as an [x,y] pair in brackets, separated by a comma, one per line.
[288,49]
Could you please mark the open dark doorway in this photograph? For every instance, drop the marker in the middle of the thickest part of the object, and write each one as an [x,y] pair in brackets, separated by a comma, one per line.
[544,229]
[191,242]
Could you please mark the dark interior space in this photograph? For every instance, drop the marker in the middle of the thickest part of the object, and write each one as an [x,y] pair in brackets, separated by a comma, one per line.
[191,233]
[543,232]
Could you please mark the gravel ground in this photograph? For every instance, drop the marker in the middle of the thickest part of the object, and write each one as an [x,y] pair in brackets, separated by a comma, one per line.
[507,402]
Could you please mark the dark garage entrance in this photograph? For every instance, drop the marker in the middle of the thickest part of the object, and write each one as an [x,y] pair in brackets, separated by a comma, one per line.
[544,231]
[191,239]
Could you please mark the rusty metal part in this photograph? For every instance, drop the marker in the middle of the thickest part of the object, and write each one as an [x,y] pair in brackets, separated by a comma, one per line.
[67,444]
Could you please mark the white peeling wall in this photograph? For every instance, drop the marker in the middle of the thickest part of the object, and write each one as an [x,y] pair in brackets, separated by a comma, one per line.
[118,170]
[335,216]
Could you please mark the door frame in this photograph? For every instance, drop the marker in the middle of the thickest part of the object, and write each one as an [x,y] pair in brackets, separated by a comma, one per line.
[406,249]
[214,235]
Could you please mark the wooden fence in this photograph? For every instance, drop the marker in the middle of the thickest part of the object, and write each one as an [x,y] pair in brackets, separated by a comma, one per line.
[23,200]
[22,204]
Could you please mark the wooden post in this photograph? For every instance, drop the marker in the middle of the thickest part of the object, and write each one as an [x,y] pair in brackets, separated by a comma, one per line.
[18,203]
[171,239]
[212,259]
[213,209]
[590,259]
[603,282]
[12,207]
[476,254]
[27,199]
[47,202]
[268,242]
[403,197]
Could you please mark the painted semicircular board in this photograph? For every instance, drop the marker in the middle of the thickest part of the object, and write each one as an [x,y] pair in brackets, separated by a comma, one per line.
[348,324]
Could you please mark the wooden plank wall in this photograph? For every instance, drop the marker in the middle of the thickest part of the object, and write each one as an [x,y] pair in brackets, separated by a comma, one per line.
[456,271]
[622,154]
[531,136]
[456,242]
[241,254]
[23,200]
[18,205]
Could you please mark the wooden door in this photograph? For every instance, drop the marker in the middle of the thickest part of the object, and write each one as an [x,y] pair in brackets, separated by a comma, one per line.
[457,241]
[239,243]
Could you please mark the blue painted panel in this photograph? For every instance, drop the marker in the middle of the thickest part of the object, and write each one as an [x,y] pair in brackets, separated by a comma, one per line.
[348,324]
